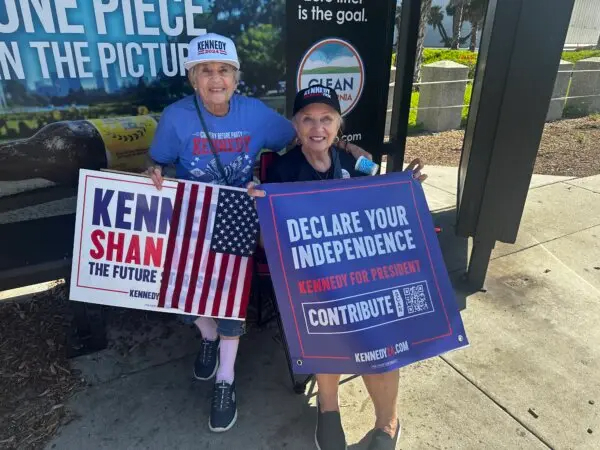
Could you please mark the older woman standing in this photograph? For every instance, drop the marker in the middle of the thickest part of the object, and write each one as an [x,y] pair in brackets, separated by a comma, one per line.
[214,137]
[317,120]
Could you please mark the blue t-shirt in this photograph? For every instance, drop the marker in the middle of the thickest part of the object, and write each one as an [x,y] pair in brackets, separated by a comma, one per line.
[238,137]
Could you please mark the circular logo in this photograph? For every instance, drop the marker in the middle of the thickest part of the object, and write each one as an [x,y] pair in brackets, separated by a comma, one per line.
[336,64]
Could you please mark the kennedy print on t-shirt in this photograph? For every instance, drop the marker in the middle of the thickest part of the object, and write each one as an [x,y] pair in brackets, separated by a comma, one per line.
[237,172]
[238,137]
[235,141]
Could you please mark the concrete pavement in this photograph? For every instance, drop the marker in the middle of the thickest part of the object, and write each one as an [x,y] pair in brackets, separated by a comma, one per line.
[529,379]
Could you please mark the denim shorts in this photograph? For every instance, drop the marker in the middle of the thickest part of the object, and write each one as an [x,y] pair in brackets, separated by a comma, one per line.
[225,327]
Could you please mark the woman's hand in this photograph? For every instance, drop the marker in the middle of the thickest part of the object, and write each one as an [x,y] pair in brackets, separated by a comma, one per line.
[416,166]
[155,174]
[356,151]
[253,192]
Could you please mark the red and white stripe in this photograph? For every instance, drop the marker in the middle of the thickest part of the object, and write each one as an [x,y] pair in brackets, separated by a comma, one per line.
[202,281]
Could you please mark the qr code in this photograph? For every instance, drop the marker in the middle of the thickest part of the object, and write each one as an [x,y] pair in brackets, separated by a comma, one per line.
[416,300]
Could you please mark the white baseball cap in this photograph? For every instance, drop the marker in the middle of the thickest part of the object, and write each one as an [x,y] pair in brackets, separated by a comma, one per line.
[211,47]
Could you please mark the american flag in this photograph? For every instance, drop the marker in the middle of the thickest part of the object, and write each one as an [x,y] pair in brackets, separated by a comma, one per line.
[214,232]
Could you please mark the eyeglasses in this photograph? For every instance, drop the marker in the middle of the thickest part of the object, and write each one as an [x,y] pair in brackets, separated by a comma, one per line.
[222,72]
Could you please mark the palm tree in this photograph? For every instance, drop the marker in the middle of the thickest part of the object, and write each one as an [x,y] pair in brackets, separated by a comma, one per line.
[397,21]
[456,9]
[475,14]
[425,12]
[436,20]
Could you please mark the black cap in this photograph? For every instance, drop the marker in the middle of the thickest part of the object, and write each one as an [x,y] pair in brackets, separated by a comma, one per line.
[316,94]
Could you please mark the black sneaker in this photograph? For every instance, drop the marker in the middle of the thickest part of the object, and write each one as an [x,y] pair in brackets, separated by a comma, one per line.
[383,441]
[329,434]
[223,412]
[207,360]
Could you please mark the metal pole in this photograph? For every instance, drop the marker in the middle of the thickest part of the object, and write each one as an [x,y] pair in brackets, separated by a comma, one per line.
[519,57]
[405,69]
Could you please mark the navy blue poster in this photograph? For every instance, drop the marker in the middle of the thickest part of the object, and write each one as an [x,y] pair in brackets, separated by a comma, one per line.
[358,274]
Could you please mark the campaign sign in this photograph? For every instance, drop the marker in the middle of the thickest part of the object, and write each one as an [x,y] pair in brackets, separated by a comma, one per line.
[120,243]
[344,45]
[358,274]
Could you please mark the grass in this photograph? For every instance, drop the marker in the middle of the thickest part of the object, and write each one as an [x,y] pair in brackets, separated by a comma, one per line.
[412,115]
[33,120]
[469,58]
[464,57]
[14,125]
[579,55]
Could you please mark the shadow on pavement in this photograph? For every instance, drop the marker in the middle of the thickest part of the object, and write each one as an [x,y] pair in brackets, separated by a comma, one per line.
[455,251]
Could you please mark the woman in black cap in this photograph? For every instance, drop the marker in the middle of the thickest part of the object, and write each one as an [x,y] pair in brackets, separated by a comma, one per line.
[317,120]
[214,136]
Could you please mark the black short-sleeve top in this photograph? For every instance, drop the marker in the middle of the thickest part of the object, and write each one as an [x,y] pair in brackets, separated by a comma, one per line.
[293,166]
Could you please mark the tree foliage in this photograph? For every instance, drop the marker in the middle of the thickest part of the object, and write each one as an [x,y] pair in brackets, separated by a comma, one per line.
[261,53]
[425,12]
[461,11]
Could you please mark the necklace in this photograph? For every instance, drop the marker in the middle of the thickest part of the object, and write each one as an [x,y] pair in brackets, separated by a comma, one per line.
[323,175]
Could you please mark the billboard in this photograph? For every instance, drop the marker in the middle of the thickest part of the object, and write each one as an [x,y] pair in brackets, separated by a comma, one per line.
[344,45]
[83,84]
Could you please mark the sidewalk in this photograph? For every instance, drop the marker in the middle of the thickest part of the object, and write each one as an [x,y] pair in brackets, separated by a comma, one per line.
[529,380]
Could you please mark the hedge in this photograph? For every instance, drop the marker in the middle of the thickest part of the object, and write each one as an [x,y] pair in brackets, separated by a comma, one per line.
[581,54]
[469,59]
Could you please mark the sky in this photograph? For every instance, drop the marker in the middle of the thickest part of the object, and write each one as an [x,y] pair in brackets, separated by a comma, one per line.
[334,54]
